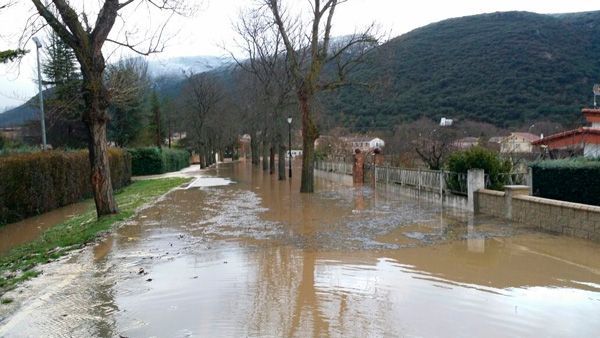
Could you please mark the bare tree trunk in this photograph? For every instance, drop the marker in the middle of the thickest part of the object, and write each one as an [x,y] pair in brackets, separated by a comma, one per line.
[309,135]
[96,98]
[254,149]
[281,162]
[271,160]
[100,174]
[265,157]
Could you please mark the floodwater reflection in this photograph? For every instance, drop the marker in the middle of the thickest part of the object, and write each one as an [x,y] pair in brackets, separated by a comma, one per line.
[256,258]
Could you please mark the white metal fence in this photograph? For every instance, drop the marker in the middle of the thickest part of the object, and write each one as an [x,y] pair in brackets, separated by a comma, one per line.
[431,180]
[439,181]
[335,167]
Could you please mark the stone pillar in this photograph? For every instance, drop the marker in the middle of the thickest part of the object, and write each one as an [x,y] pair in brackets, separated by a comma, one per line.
[379,158]
[475,181]
[358,169]
[530,180]
[509,192]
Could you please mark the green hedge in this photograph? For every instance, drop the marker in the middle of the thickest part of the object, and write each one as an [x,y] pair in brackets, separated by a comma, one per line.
[153,161]
[572,180]
[34,183]
[478,158]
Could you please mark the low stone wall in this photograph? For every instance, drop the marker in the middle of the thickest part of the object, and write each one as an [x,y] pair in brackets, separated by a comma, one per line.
[450,200]
[571,219]
[491,202]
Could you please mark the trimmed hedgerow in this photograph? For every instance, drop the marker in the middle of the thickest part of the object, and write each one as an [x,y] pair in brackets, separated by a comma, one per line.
[33,183]
[153,161]
[572,180]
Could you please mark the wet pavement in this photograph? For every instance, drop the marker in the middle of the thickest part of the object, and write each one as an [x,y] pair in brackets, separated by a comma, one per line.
[241,254]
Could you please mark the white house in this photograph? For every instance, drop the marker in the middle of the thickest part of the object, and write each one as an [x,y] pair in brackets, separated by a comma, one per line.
[364,143]
[518,143]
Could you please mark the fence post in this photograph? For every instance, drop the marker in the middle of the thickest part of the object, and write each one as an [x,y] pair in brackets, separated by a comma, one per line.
[376,172]
[387,175]
[530,180]
[475,182]
[441,186]
[419,180]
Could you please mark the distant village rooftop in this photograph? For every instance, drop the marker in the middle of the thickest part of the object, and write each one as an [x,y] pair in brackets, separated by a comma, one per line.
[586,137]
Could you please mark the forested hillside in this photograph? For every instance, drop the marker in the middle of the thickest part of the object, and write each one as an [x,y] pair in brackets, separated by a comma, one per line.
[504,68]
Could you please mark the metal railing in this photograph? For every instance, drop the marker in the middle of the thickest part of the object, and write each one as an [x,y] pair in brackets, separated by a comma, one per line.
[439,181]
[334,167]
[498,181]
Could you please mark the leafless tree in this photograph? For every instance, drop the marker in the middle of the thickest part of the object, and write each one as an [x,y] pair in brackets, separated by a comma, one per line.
[425,140]
[264,54]
[202,94]
[71,23]
[307,53]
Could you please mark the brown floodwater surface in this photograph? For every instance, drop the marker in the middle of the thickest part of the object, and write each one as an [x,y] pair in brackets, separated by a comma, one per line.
[15,234]
[240,254]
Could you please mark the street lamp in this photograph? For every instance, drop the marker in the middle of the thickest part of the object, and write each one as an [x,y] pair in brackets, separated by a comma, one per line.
[39,45]
[289,120]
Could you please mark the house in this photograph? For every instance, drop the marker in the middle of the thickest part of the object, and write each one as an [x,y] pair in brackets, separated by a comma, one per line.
[11,133]
[466,142]
[518,143]
[364,143]
[496,139]
[587,138]
[244,148]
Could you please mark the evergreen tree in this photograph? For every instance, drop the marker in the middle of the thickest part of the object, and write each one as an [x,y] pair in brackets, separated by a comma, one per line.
[59,66]
[157,124]
[63,104]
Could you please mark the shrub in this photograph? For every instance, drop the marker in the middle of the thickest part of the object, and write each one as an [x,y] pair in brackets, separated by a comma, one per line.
[34,183]
[572,180]
[153,161]
[479,158]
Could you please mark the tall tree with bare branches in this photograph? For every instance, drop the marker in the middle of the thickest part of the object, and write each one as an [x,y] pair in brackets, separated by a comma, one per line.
[264,53]
[70,22]
[308,52]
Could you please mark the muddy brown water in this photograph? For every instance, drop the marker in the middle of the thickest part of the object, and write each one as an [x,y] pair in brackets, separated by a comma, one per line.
[15,234]
[241,254]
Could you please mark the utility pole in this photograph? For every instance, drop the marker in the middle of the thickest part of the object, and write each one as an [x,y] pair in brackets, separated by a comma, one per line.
[39,45]
[289,120]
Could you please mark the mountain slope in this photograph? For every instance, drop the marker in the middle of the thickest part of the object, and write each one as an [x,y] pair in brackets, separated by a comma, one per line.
[504,68]
[509,69]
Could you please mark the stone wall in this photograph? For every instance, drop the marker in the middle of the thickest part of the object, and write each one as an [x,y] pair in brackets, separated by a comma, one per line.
[491,202]
[571,219]
[449,200]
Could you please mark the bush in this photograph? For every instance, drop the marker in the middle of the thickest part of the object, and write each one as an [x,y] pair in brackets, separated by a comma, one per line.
[38,182]
[153,161]
[479,158]
[572,180]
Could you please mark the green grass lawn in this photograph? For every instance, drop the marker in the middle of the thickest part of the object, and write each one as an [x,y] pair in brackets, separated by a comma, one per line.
[18,265]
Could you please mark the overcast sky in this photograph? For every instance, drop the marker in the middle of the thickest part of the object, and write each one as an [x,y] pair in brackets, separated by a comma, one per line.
[210,29]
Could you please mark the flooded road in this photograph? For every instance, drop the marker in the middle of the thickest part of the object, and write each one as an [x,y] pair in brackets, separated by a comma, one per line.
[240,254]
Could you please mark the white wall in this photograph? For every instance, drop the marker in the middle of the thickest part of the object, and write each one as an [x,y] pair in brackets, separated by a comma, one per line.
[591,150]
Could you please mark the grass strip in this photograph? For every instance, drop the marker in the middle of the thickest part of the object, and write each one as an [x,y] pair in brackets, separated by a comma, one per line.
[18,264]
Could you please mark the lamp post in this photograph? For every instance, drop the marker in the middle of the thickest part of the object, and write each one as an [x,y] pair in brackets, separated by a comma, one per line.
[39,45]
[289,121]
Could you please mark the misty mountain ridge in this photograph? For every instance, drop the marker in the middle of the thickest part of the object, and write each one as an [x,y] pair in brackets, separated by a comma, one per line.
[178,66]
